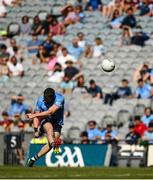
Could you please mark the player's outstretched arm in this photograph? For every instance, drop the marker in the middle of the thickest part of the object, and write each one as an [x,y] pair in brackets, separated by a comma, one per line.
[49,112]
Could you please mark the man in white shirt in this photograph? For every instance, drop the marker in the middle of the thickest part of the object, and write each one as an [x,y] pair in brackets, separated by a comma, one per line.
[15,68]
[65,56]
[81,41]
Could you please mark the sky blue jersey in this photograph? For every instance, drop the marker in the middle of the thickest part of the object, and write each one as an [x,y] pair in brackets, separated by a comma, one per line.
[58,116]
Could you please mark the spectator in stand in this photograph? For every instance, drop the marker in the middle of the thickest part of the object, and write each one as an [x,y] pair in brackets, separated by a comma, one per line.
[65,56]
[3,52]
[52,61]
[49,43]
[80,16]
[94,5]
[4,72]
[148,117]
[140,127]
[37,26]
[139,37]
[43,55]
[25,26]
[15,68]
[94,133]
[129,19]
[17,106]
[56,75]
[84,138]
[116,19]
[99,49]
[126,36]
[132,137]
[123,91]
[71,16]
[81,41]
[4,39]
[70,71]
[3,10]
[143,90]
[80,87]
[56,28]
[144,7]
[46,24]
[75,50]
[148,135]
[6,122]
[33,45]
[94,90]
[109,132]
[67,85]
[13,45]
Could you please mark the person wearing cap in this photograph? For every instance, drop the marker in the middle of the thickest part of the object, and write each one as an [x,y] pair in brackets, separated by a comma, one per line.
[109,131]
[17,106]
[140,127]
[148,135]
[132,137]
[94,90]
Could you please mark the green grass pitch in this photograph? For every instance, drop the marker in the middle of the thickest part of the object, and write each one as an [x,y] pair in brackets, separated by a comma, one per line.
[75,173]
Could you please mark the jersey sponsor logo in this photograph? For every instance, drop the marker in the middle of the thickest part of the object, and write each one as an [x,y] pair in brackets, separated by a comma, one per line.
[67,157]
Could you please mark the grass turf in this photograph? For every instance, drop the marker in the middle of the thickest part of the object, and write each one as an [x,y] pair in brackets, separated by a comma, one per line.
[75,173]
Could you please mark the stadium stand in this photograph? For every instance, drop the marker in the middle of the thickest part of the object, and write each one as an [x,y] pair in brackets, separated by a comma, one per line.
[35,75]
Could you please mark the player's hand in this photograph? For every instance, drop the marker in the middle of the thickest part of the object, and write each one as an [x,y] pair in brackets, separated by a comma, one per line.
[30,116]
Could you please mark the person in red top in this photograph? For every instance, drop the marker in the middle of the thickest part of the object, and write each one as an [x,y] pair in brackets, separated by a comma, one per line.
[140,127]
[6,122]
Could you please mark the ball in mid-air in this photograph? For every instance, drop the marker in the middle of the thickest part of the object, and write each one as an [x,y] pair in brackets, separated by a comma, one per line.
[107,65]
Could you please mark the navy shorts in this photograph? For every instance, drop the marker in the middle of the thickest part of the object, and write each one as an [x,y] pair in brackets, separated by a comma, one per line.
[56,126]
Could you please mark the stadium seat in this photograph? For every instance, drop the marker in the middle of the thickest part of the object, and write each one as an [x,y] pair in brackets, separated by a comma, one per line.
[13,29]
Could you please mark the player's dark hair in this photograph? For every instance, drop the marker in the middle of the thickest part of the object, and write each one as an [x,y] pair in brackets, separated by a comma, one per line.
[49,92]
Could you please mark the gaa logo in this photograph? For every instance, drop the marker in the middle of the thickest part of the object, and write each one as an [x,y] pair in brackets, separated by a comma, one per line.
[67,157]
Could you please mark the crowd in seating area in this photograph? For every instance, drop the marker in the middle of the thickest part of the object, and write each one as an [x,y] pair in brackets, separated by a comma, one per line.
[63,64]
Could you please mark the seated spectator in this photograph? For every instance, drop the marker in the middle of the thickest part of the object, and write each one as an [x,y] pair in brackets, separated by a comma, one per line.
[6,122]
[17,106]
[139,37]
[84,137]
[36,26]
[4,39]
[25,26]
[3,52]
[81,41]
[33,45]
[129,19]
[4,72]
[94,133]
[70,71]
[13,45]
[52,60]
[56,28]
[94,5]
[67,85]
[43,55]
[109,132]
[132,137]
[126,36]
[123,91]
[80,16]
[75,50]
[142,72]
[116,19]
[94,90]
[56,75]
[143,90]
[80,86]
[64,57]
[3,10]
[99,49]
[15,68]
[140,127]
[144,7]
[71,16]
[148,117]
[148,135]
[46,24]
[48,44]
